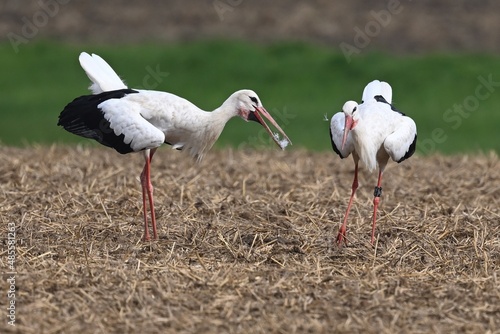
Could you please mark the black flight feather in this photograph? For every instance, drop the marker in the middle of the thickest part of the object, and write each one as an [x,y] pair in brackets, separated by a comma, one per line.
[410,151]
[84,118]
[380,98]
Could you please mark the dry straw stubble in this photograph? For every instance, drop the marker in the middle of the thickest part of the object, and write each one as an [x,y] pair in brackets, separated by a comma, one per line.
[247,243]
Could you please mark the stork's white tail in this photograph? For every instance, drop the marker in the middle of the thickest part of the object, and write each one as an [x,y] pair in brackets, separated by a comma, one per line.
[375,88]
[103,77]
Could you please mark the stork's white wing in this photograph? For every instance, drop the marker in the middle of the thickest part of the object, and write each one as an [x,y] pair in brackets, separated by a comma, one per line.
[400,144]
[125,118]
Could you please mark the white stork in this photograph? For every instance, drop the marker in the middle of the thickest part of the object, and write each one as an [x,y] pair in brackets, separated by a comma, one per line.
[133,120]
[372,131]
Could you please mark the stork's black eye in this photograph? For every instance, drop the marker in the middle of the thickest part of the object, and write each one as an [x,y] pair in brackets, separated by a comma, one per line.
[354,109]
[254,99]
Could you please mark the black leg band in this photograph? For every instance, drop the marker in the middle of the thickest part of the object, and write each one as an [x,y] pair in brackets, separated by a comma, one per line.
[377,192]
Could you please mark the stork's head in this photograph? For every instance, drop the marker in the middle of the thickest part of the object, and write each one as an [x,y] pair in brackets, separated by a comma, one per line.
[350,110]
[250,108]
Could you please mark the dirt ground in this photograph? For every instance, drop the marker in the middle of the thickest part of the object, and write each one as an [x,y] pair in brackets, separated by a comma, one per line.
[247,244]
[390,25]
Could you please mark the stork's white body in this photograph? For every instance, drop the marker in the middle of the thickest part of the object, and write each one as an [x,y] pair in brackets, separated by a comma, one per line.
[133,120]
[372,132]
[146,122]
[381,132]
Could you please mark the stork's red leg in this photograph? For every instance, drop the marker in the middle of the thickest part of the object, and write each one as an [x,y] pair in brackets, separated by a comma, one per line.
[376,200]
[144,185]
[343,228]
[147,188]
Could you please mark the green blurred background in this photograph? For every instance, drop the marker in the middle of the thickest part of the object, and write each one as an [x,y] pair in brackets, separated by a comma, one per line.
[304,61]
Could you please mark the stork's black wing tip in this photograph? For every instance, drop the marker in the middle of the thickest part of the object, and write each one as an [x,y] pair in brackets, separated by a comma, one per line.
[84,118]
[334,147]
[410,151]
[380,98]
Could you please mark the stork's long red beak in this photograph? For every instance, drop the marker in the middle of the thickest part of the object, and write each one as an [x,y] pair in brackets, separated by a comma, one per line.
[347,128]
[257,117]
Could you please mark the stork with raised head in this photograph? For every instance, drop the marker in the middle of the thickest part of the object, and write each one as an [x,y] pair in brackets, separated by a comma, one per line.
[133,120]
[373,132]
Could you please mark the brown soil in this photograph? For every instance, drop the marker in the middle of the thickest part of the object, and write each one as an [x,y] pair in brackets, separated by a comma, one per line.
[390,25]
[247,244]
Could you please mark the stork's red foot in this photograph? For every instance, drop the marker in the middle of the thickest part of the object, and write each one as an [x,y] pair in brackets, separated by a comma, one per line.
[341,237]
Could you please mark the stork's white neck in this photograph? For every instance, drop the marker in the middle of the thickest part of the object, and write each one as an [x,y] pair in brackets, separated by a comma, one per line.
[366,148]
[220,116]
[210,128]
[225,112]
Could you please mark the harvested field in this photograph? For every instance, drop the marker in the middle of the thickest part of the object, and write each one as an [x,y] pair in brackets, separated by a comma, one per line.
[247,244]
